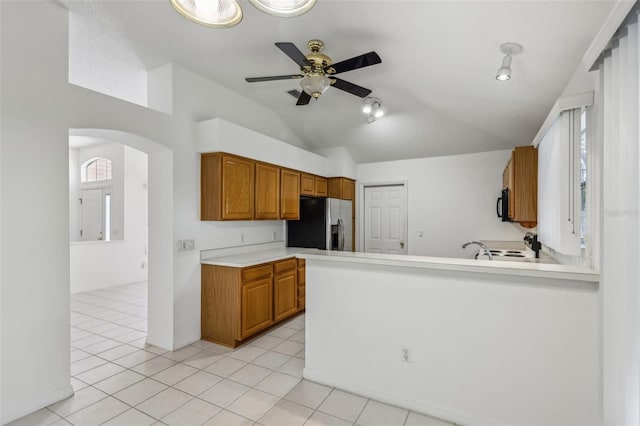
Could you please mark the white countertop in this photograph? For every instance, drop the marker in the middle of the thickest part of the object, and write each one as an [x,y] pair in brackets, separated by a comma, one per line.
[542,270]
[242,260]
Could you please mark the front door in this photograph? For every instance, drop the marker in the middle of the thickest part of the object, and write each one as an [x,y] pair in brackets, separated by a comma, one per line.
[385,219]
[92,215]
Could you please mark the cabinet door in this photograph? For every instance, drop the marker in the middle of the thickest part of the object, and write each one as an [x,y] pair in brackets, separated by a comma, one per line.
[285,293]
[320,187]
[237,188]
[290,195]
[307,184]
[267,192]
[348,189]
[257,306]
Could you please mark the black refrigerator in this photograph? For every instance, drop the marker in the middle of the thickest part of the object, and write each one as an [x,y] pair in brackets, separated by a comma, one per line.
[325,224]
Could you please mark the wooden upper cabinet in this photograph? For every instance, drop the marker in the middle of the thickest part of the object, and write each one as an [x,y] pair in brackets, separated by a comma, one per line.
[289,194]
[226,187]
[341,187]
[267,203]
[307,184]
[320,187]
[521,178]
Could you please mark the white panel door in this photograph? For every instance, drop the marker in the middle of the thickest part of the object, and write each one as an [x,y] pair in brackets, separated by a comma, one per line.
[92,215]
[385,219]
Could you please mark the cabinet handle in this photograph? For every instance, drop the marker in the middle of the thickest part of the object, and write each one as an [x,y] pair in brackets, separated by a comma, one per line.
[401,244]
[498,207]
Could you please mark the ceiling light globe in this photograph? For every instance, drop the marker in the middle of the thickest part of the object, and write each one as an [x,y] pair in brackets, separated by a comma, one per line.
[284,8]
[315,85]
[210,13]
[379,113]
[367,109]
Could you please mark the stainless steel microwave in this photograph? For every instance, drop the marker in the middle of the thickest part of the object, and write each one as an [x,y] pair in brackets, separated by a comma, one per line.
[502,206]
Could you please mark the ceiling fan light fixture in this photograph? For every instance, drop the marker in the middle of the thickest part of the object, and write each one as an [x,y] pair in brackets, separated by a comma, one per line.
[315,85]
[509,49]
[372,107]
[284,8]
[210,13]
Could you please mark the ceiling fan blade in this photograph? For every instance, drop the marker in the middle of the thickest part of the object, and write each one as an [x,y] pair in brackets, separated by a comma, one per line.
[294,53]
[295,93]
[275,77]
[303,99]
[354,89]
[356,62]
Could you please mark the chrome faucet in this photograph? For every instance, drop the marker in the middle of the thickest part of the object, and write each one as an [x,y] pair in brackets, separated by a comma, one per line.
[483,246]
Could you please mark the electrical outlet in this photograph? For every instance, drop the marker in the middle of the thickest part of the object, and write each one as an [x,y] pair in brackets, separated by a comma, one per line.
[405,354]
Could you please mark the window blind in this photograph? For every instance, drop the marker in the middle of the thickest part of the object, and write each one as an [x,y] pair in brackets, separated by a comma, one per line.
[559,185]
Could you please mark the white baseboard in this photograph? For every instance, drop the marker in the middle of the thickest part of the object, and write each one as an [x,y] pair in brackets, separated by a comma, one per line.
[166,345]
[14,412]
[453,416]
[186,341]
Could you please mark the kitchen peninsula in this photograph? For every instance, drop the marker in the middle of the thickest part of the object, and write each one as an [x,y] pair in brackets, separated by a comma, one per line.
[470,341]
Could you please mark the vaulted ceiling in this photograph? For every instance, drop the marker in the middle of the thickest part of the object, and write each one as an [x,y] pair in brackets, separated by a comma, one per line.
[436,80]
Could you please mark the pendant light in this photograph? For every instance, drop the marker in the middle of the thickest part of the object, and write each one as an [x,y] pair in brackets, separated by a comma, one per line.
[210,13]
[284,8]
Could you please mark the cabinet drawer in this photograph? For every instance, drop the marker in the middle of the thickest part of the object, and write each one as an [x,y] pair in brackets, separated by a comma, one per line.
[284,265]
[301,263]
[256,272]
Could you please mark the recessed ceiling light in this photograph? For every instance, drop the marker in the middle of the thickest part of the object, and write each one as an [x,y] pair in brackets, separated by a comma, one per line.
[210,13]
[285,8]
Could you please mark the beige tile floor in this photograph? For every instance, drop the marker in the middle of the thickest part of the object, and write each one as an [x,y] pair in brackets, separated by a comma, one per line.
[119,380]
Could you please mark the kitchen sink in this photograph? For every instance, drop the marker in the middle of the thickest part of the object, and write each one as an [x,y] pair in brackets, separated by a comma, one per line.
[513,255]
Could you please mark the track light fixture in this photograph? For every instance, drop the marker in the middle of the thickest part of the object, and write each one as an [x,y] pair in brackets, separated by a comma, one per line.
[372,107]
[227,13]
[509,49]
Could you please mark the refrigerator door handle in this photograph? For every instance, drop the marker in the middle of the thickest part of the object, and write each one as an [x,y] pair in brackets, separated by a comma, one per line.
[340,235]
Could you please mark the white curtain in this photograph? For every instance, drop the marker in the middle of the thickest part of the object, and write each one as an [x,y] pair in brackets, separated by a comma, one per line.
[620,250]
[559,185]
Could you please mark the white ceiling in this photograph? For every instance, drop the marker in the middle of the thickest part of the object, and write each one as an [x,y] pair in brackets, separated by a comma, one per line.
[436,79]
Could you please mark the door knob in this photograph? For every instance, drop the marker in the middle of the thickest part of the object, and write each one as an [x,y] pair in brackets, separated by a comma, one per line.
[401,244]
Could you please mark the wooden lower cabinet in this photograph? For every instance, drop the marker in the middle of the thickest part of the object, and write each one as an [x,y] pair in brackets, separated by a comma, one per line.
[285,295]
[237,303]
[257,307]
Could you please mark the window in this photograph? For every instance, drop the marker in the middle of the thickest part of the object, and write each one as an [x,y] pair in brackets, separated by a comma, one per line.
[97,170]
[583,175]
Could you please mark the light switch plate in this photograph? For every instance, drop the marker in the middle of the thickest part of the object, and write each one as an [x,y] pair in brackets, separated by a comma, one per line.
[185,245]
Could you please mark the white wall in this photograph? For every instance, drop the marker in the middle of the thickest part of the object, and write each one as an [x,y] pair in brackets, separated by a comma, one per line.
[486,349]
[452,199]
[75,214]
[34,315]
[39,107]
[101,58]
[100,264]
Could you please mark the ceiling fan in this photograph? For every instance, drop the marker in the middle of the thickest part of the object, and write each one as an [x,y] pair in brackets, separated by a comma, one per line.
[317,71]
